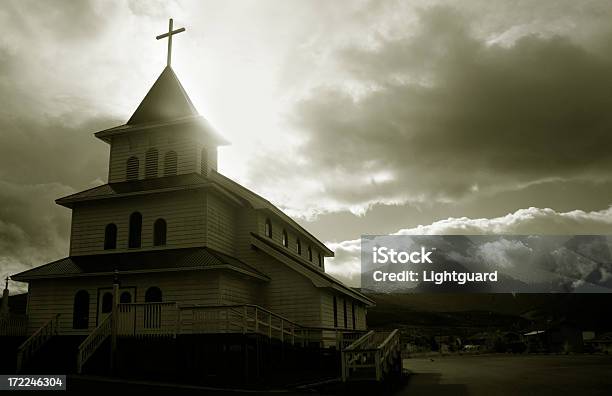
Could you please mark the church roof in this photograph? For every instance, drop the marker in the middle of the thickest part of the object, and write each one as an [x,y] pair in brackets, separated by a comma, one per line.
[166,100]
[188,181]
[201,258]
[135,187]
[165,106]
[319,278]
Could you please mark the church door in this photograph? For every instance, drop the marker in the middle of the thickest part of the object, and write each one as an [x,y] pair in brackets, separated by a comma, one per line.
[105,300]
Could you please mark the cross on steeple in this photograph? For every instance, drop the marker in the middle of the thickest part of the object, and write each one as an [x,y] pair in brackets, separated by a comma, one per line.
[169,35]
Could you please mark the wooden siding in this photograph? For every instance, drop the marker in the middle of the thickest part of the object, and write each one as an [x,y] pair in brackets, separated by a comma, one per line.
[184,213]
[288,293]
[50,297]
[211,158]
[124,147]
[220,224]
[238,289]
[327,311]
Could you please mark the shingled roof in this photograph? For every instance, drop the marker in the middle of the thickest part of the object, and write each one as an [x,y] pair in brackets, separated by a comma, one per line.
[157,260]
[114,190]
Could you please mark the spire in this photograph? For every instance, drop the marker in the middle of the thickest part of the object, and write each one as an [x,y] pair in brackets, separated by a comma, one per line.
[165,101]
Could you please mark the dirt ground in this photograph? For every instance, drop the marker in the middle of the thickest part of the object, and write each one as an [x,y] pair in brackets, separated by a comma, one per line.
[509,375]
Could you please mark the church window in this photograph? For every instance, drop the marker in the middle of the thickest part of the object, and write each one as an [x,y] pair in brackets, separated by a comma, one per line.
[204,162]
[159,232]
[309,253]
[335,312]
[125,298]
[268,228]
[132,168]
[285,239]
[80,311]
[107,302]
[170,163]
[153,294]
[299,247]
[110,237]
[151,163]
[135,230]
[345,313]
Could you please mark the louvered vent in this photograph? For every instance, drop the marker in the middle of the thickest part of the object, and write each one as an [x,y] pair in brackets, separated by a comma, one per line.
[152,159]
[131,172]
[170,163]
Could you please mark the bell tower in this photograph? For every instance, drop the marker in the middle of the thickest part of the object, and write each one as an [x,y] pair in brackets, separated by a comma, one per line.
[165,136]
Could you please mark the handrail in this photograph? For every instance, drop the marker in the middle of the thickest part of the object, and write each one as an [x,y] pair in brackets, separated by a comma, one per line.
[361,340]
[365,360]
[93,341]
[30,346]
[391,335]
[13,325]
[251,318]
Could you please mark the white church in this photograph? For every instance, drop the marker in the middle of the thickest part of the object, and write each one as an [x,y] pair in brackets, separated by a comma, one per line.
[170,249]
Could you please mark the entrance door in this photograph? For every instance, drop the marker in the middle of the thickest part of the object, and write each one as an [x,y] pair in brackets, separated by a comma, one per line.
[105,300]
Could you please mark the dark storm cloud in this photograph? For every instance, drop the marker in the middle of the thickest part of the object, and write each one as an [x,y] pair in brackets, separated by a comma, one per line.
[442,114]
[46,144]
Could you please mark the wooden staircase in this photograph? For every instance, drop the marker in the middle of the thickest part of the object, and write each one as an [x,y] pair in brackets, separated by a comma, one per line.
[374,357]
[36,341]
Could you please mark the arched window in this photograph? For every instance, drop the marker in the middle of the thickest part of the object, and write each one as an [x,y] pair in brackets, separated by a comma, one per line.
[125,297]
[159,232]
[153,294]
[107,302]
[170,163]
[298,244]
[110,236]
[285,239]
[204,162]
[268,228]
[135,230]
[132,168]
[309,253]
[151,163]
[80,310]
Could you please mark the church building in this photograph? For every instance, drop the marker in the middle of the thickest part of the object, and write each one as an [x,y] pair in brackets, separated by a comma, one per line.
[171,246]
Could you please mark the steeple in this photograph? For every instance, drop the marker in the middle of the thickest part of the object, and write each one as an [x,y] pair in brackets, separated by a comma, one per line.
[165,101]
[165,136]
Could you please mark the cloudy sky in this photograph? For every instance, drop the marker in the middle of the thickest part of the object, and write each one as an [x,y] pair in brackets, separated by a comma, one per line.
[356,117]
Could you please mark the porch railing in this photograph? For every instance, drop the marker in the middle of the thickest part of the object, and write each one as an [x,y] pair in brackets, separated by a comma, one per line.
[254,319]
[169,319]
[36,341]
[91,344]
[147,319]
[13,325]
[372,356]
